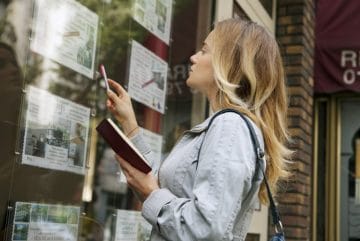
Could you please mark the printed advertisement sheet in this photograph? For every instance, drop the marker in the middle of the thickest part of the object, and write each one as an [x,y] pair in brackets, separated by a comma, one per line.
[155,16]
[131,226]
[147,77]
[34,221]
[56,132]
[155,143]
[66,32]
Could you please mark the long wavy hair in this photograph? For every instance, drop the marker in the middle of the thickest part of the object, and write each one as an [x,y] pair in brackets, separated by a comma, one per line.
[249,74]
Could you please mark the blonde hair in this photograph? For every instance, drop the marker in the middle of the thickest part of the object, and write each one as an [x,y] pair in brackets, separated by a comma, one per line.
[250,78]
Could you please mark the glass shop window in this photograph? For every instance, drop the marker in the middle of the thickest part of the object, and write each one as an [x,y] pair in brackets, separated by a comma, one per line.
[59,179]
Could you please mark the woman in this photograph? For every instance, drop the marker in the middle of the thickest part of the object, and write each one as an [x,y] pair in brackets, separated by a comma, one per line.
[238,67]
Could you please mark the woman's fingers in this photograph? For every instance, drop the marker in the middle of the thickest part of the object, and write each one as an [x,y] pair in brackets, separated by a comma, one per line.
[112,96]
[124,164]
[143,184]
[118,88]
[108,103]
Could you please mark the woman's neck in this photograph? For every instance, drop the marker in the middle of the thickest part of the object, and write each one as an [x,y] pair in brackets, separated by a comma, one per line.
[214,105]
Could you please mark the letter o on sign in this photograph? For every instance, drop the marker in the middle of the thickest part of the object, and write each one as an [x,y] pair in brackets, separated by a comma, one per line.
[349,76]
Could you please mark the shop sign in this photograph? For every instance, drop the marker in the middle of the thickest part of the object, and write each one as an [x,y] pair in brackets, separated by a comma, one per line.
[337,46]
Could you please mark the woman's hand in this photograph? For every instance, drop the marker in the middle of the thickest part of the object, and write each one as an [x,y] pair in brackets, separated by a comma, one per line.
[140,182]
[119,104]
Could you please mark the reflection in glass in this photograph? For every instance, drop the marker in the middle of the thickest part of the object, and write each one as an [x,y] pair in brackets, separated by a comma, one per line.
[350,207]
[58,54]
[65,31]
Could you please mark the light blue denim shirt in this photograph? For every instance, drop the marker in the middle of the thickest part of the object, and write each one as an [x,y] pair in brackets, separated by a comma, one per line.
[210,198]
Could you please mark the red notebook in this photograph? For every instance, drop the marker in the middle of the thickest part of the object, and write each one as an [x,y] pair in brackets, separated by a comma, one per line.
[122,145]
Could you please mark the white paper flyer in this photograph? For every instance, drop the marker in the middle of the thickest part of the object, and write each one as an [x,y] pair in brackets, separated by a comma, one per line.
[131,226]
[66,32]
[56,132]
[155,16]
[147,77]
[35,221]
[155,143]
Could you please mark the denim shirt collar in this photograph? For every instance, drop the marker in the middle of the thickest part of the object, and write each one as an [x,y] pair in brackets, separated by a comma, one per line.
[200,127]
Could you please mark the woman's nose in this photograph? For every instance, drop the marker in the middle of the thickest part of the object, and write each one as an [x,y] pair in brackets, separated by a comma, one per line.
[193,58]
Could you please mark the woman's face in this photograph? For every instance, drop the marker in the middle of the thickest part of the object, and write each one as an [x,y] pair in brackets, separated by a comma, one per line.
[201,76]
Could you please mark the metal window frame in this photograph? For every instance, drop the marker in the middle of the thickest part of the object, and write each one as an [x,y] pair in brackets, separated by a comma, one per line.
[253,9]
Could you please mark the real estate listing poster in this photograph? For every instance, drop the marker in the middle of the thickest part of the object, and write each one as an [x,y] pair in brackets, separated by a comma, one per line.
[45,222]
[155,16]
[56,132]
[147,77]
[131,226]
[155,143]
[66,32]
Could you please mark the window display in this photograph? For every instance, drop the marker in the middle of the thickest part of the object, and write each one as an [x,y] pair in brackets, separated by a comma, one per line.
[66,32]
[56,132]
[155,16]
[147,78]
[36,221]
[54,97]
[131,226]
[155,142]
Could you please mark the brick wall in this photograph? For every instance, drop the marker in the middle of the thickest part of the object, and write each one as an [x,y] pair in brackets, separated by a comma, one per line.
[295,34]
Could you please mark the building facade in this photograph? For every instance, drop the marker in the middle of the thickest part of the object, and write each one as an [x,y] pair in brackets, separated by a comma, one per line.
[295,32]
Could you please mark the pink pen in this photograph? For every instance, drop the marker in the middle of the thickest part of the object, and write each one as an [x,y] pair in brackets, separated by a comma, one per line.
[103,73]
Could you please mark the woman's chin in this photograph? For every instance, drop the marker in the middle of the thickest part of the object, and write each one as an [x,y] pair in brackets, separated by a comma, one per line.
[191,82]
[188,82]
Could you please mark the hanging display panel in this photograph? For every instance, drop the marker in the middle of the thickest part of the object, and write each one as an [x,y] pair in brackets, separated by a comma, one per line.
[35,221]
[131,226]
[56,132]
[147,77]
[155,16]
[65,31]
[155,143]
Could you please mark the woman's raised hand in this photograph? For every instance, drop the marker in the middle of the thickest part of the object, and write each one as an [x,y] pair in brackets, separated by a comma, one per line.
[119,104]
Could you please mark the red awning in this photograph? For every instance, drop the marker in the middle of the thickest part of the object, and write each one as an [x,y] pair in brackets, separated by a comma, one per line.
[337,46]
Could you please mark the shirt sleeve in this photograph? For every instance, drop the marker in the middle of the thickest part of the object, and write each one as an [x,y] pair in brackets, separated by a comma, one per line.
[144,148]
[225,168]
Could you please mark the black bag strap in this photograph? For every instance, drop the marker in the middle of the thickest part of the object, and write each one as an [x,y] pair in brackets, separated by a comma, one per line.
[259,157]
